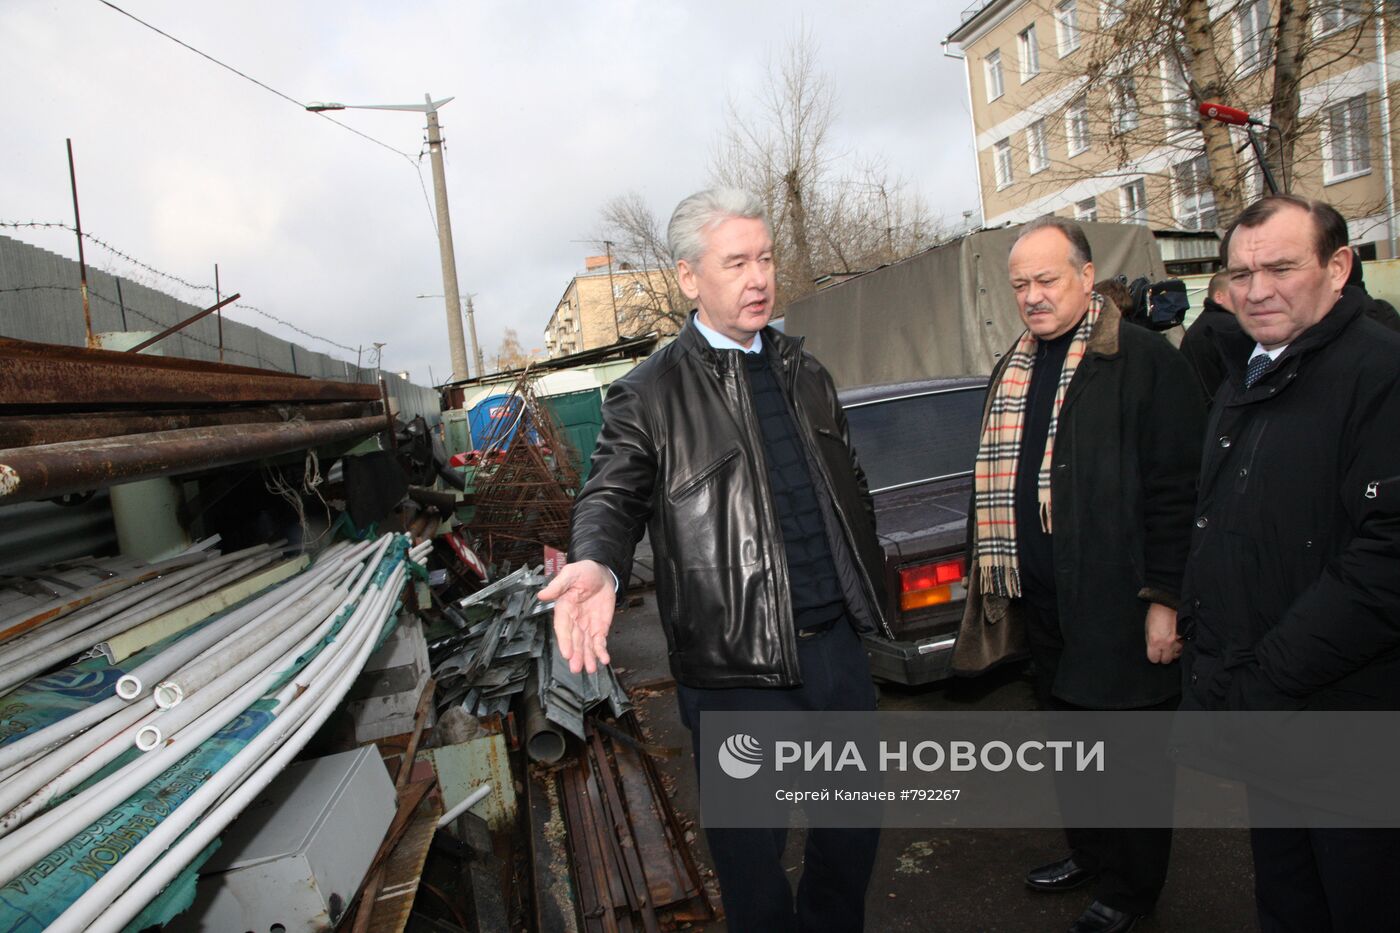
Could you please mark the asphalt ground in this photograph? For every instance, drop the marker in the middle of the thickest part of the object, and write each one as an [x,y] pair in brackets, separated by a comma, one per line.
[953,881]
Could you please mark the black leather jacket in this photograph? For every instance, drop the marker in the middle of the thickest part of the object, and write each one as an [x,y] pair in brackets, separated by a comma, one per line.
[680,454]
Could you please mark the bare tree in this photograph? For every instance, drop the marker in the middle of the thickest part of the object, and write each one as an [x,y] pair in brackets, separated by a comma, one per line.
[831,212]
[1148,65]
[649,298]
[510,354]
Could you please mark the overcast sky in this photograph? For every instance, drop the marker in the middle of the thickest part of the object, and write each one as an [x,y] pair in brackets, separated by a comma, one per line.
[559,107]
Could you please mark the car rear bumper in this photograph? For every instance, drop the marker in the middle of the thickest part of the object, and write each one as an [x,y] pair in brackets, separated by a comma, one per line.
[919,661]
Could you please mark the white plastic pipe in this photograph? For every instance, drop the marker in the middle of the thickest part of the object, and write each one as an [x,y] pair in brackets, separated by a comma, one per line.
[18,670]
[471,800]
[169,660]
[97,746]
[30,842]
[271,660]
[119,895]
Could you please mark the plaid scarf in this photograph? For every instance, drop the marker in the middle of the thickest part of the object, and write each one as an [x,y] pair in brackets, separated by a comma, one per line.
[998,453]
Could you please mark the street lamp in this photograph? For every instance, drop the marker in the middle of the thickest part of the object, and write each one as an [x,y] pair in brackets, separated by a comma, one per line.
[471,333]
[444,223]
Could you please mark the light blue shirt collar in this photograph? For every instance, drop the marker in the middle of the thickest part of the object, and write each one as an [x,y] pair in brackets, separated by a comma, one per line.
[720,342]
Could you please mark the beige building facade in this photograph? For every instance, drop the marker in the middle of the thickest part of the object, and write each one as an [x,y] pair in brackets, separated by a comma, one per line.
[1073,116]
[606,303]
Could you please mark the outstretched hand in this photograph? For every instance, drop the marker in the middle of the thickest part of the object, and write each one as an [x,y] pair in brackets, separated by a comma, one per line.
[584,598]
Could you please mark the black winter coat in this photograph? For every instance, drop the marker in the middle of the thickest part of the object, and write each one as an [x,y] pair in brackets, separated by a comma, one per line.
[1127,450]
[1292,592]
[681,456]
[1202,344]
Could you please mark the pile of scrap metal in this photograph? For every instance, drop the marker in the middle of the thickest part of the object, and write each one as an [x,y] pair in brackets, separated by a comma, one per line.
[525,482]
[605,820]
[505,649]
[147,708]
[73,420]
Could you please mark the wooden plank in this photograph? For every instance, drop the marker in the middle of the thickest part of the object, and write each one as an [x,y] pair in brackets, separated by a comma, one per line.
[404,869]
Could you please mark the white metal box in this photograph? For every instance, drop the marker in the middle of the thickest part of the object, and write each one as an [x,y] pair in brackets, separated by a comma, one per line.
[294,858]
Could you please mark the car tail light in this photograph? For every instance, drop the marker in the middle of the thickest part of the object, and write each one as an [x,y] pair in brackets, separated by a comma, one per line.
[931,584]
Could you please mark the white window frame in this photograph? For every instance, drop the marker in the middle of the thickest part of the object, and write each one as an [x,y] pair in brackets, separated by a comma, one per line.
[1251,32]
[1353,116]
[1125,112]
[1087,210]
[1329,16]
[996,80]
[1132,202]
[1110,13]
[1191,209]
[1176,96]
[1066,27]
[1028,49]
[1002,163]
[1077,125]
[1037,147]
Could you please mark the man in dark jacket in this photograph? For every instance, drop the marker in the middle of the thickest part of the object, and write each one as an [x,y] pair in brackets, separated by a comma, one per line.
[1214,326]
[1082,509]
[1292,592]
[730,448]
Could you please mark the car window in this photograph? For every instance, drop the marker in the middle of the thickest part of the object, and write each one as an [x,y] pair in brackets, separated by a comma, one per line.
[907,440]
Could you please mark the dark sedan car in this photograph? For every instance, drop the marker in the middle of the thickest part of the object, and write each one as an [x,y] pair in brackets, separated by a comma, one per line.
[917,442]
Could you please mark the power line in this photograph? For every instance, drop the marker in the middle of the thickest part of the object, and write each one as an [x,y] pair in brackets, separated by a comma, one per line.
[247,77]
[416,163]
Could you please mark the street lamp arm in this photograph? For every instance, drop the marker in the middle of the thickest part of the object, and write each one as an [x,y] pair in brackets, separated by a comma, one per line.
[427,107]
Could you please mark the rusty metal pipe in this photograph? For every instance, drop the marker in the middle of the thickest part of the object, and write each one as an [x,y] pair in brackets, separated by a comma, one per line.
[26,431]
[50,470]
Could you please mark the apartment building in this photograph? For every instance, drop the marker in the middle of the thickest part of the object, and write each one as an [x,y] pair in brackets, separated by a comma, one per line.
[608,302]
[1078,112]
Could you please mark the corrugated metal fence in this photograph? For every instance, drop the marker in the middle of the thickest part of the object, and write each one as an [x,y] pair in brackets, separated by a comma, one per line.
[39,300]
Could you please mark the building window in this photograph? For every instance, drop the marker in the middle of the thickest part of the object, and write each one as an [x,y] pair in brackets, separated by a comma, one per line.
[1067,27]
[1087,210]
[992,65]
[1037,152]
[1330,16]
[1132,202]
[1192,197]
[1001,156]
[1346,141]
[1030,53]
[1123,104]
[639,289]
[1077,125]
[1252,35]
[617,291]
[1110,12]
[1176,96]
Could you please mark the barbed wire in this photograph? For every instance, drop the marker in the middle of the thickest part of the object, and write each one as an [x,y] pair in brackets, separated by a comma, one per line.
[146,267]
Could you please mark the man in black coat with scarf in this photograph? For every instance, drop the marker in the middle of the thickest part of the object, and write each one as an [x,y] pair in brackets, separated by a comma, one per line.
[1082,514]
[1292,593]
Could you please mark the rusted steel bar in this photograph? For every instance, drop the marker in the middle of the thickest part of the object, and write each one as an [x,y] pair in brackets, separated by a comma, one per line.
[24,430]
[181,325]
[38,374]
[218,297]
[82,256]
[50,470]
[624,842]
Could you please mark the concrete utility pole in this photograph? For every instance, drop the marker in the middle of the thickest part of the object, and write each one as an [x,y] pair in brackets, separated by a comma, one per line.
[476,347]
[455,341]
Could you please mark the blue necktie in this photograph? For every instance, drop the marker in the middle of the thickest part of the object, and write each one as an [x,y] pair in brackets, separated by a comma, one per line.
[1259,364]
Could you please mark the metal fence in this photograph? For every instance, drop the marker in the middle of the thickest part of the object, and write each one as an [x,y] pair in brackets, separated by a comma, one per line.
[40,300]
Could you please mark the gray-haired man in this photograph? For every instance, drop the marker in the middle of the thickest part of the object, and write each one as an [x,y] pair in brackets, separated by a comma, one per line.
[729,446]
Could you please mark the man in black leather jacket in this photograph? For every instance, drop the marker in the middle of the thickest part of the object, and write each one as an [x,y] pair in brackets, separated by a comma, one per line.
[730,448]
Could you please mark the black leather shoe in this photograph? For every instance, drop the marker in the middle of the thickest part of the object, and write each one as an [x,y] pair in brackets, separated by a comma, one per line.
[1063,875]
[1100,918]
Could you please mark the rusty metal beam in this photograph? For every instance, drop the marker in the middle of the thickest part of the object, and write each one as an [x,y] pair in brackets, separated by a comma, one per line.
[42,375]
[50,470]
[181,325]
[26,431]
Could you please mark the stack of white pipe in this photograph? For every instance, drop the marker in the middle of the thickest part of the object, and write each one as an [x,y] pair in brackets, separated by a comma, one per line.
[200,684]
[206,680]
